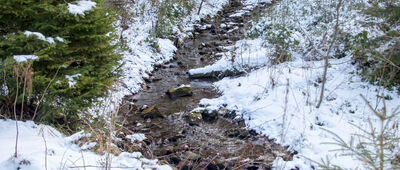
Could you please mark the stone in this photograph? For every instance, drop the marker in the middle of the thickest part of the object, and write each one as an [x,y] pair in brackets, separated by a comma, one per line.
[195,118]
[209,115]
[191,155]
[235,3]
[176,138]
[155,79]
[165,151]
[181,91]
[203,52]
[219,49]
[223,37]
[215,74]
[174,160]
[210,75]
[234,38]
[237,133]
[151,112]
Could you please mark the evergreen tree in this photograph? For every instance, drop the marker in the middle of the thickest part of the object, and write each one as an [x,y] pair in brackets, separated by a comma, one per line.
[82,47]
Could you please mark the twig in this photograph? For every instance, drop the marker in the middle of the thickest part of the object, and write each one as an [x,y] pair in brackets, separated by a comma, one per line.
[209,162]
[44,93]
[16,70]
[45,151]
[83,161]
[328,52]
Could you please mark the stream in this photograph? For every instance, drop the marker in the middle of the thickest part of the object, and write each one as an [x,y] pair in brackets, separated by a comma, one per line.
[215,141]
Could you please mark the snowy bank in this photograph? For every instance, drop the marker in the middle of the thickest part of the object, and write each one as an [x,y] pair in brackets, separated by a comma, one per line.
[41,147]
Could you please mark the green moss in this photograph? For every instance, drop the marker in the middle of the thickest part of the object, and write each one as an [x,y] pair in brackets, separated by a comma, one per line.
[195,115]
[180,90]
[148,110]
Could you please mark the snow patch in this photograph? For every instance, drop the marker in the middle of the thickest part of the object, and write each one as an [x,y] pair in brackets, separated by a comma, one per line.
[248,54]
[60,39]
[40,36]
[136,137]
[81,7]
[71,79]
[24,58]
[183,86]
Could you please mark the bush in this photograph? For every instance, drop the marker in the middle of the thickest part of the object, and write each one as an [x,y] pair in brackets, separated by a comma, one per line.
[170,13]
[279,37]
[82,47]
[381,66]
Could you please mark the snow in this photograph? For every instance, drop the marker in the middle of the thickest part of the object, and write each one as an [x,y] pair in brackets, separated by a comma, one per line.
[250,55]
[183,86]
[253,2]
[40,36]
[4,90]
[60,39]
[71,79]
[24,58]
[210,7]
[136,137]
[81,7]
[62,152]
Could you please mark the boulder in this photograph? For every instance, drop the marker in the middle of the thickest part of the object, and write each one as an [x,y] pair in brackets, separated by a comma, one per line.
[151,112]
[215,74]
[181,91]
[209,75]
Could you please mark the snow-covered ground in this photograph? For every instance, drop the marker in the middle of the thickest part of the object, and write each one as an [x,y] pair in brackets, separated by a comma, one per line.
[280,100]
[43,147]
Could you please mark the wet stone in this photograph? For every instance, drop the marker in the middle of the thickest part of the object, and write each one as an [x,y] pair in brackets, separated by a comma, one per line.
[181,91]
[195,118]
[204,52]
[165,151]
[237,133]
[174,160]
[151,112]
[209,115]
